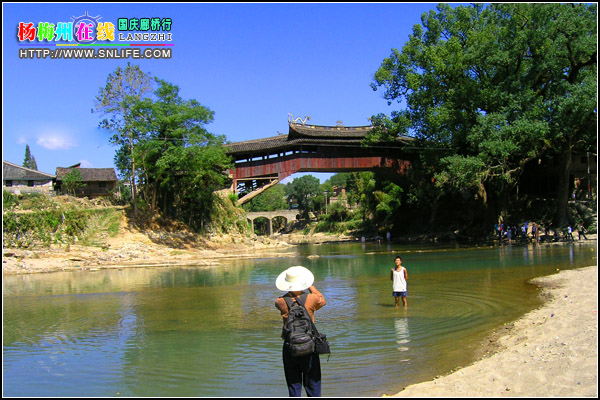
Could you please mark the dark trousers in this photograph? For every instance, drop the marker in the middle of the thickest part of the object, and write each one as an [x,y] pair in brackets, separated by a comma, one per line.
[302,371]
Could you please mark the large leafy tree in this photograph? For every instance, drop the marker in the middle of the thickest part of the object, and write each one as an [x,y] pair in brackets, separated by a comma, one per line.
[123,89]
[180,163]
[304,190]
[489,89]
[378,200]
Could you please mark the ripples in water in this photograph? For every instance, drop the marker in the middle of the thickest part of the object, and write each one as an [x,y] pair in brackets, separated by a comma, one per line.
[193,332]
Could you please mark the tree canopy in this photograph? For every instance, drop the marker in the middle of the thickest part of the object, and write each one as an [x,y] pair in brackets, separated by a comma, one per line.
[163,145]
[304,190]
[180,163]
[123,89]
[487,89]
[29,161]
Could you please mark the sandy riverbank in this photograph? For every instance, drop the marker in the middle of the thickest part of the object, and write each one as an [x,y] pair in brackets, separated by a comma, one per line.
[550,352]
[132,248]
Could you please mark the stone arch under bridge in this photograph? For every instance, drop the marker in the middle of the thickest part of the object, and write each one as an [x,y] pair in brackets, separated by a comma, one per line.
[262,163]
[289,215]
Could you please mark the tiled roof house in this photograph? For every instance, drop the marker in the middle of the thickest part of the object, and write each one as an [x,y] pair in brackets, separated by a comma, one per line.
[97,181]
[18,179]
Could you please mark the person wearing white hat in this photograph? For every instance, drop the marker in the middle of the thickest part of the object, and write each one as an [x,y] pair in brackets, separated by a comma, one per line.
[303,370]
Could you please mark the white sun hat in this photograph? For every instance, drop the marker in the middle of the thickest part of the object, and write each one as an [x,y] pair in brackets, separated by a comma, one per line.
[295,279]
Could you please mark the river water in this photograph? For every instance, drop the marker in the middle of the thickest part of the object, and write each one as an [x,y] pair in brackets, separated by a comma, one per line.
[192,331]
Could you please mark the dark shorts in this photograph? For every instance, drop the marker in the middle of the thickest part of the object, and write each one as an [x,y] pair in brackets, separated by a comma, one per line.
[399,294]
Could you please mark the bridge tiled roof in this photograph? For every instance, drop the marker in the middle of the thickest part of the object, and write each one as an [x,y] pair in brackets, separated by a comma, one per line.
[304,134]
[274,142]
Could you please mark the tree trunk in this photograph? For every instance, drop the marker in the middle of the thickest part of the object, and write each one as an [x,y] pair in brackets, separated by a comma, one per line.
[482,194]
[133,187]
[489,207]
[492,204]
[434,210]
[562,201]
[154,194]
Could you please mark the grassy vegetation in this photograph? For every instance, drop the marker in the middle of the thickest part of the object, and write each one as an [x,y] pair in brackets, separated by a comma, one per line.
[32,220]
[39,220]
[340,220]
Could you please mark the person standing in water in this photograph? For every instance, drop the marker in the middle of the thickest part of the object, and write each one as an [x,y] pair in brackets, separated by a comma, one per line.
[399,277]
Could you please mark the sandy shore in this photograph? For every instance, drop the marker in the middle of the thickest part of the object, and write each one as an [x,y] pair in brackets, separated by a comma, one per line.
[550,352]
[132,248]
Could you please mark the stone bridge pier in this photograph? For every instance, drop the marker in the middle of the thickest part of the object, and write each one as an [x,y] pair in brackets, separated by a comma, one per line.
[289,215]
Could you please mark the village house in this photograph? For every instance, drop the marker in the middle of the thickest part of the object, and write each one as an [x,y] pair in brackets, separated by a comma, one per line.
[339,196]
[96,181]
[17,179]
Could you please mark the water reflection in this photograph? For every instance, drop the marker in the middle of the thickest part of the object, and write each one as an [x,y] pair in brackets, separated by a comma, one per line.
[193,331]
[402,334]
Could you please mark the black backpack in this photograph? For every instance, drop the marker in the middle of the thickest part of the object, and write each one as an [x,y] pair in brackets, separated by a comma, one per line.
[298,329]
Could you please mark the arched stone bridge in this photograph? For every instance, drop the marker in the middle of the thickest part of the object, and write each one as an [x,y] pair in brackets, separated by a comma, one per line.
[289,215]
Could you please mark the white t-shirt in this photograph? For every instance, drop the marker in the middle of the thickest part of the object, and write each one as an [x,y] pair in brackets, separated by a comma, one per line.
[399,281]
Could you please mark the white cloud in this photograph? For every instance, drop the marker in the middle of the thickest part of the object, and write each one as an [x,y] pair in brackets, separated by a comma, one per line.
[86,164]
[55,141]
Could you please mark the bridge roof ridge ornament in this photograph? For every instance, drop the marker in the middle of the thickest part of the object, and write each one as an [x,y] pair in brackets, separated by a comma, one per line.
[324,131]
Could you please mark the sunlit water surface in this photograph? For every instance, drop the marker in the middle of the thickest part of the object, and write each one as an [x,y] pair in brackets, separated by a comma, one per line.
[215,331]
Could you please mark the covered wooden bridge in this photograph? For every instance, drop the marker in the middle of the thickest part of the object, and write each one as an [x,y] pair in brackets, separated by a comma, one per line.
[261,163]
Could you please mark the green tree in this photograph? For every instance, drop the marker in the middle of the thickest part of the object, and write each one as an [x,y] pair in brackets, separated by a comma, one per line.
[489,89]
[305,190]
[339,179]
[124,87]
[180,164]
[362,188]
[270,200]
[124,191]
[72,182]
[29,161]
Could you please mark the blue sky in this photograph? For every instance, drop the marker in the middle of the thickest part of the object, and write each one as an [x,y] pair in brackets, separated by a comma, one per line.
[251,64]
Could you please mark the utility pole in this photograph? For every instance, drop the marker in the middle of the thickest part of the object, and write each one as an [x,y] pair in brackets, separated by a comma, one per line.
[589,182]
